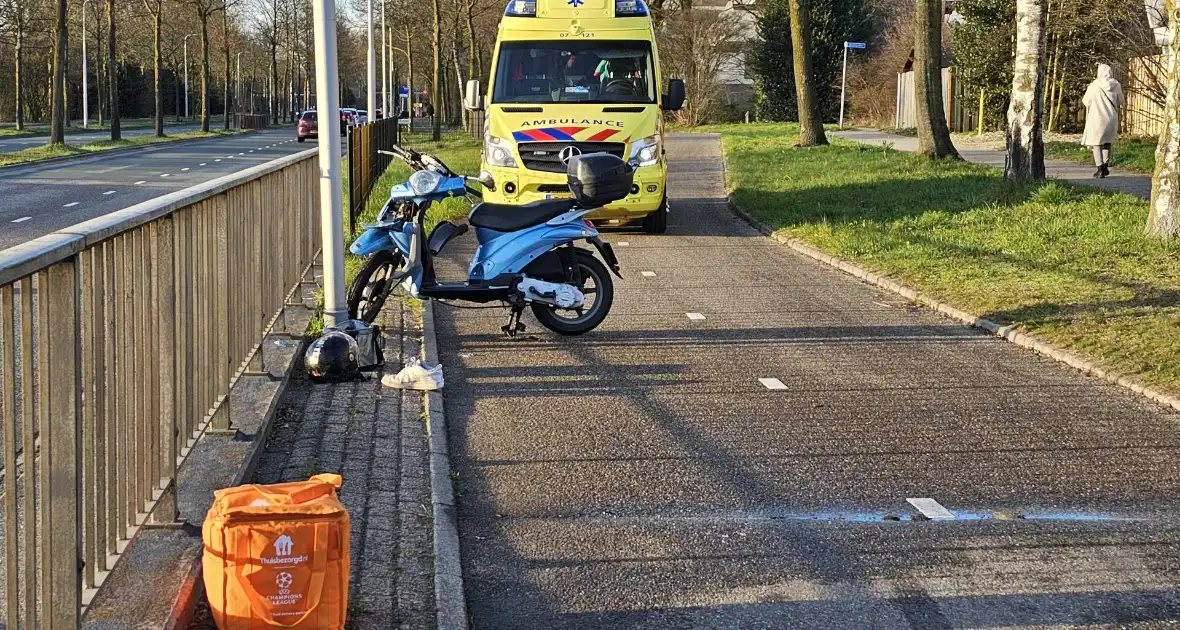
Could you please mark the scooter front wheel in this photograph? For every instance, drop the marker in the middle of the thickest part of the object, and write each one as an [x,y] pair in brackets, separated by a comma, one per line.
[598,288]
[372,285]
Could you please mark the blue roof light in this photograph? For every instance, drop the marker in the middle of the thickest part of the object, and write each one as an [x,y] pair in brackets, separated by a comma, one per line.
[630,8]
[521,8]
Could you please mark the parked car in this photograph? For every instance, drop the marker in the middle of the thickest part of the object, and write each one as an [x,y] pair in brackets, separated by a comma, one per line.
[362,116]
[347,119]
[307,127]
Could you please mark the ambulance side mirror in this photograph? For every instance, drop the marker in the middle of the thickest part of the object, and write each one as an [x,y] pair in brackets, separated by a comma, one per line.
[472,99]
[674,98]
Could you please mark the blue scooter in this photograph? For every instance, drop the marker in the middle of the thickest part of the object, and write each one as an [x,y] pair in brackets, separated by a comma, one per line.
[526,257]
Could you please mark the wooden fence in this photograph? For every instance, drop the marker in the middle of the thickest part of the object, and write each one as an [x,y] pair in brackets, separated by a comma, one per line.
[365,164]
[959,105]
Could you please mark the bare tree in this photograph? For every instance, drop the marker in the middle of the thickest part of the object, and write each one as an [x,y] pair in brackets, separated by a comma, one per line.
[1164,217]
[697,45]
[113,72]
[1026,149]
[811,128]
[205,10]
[934,138]
[156,9]
[436,84]
[61,40]
[18,21]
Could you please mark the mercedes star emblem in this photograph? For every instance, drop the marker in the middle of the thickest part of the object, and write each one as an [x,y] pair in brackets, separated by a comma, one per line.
[568,153]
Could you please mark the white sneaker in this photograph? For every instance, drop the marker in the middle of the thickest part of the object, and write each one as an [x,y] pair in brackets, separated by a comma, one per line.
[416,375]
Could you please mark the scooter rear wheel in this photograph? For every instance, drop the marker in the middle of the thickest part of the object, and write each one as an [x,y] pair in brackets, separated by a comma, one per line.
[598,287]
[372,285]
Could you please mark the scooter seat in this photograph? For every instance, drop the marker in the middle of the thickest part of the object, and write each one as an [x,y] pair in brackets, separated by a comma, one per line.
[506,218]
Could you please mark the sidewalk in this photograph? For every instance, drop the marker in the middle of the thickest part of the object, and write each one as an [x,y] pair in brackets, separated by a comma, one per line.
[376,438]
[1120,180]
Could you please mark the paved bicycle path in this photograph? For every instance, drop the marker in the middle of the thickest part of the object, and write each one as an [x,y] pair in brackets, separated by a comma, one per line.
[643,477]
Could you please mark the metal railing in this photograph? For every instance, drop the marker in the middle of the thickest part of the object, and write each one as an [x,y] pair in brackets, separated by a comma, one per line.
[120,339]
[365,165]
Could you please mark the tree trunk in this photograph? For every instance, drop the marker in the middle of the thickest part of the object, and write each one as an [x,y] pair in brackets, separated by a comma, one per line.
[458,72]
[409,76]
[18,80]
[1026,149]
[57,133]
[204,72]
[473,52]
[113,72]
[811,128]
[436,97]
[158,67]
[1164,218]
[100,63]
[934,138]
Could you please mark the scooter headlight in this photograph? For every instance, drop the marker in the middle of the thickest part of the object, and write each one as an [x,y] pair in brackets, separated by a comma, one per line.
[425,182]
[497,153]
[646,151]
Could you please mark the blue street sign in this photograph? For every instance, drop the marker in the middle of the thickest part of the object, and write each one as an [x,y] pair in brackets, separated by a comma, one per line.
[854,45]
[403,91]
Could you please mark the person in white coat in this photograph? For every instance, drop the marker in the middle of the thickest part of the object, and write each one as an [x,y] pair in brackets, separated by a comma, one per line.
[1103,99]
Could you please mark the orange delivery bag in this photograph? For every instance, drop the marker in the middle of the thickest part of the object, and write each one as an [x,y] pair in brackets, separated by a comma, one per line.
[276,556]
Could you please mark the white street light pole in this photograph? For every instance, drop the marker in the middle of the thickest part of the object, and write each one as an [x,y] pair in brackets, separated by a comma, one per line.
[331,207]
[371,101]
[238,83]
[384,67]
[85,85]
[186,73]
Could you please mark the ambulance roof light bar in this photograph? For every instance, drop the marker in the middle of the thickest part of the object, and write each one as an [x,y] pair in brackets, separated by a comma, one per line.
[623,8]
[521,8]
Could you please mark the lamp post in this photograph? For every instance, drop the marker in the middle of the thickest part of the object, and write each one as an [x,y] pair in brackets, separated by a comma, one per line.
[238,83]
[371,101]
[384,66]
[328,104]
[186,73]
[85,88]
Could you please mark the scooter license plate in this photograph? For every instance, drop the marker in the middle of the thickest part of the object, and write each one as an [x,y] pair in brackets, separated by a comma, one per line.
[560,196]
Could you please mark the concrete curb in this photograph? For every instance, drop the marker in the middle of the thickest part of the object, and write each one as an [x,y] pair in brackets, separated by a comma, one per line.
[99,155]
[1009,333]
[449,599]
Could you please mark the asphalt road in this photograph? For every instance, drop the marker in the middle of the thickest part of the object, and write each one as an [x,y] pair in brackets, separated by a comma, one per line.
[643,477]
[77,135]
[36,200]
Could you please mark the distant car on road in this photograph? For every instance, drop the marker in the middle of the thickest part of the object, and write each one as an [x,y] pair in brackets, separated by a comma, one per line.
[362,116]
[347,119]
[308,126]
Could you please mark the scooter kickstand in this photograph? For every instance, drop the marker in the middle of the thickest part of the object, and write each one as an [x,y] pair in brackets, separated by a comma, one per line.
[514,324]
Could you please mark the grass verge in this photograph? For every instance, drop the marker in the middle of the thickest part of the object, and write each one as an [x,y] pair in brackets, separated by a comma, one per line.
[457,150]
[45,152]
[42,129]
[1070,265]
[1134,154]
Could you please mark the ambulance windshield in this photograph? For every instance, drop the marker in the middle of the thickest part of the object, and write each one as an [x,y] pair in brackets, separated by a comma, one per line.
[575,72]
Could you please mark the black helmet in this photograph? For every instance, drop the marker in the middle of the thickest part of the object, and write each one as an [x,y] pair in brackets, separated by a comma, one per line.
[333,358]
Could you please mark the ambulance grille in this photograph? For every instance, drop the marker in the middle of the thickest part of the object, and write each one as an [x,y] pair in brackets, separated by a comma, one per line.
[544,156]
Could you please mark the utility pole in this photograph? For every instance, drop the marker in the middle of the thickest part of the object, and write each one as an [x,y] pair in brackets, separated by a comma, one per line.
[238,83]
[384,66]
[371,101]
[844,76]
[186,73]
[331,206]
[85,88]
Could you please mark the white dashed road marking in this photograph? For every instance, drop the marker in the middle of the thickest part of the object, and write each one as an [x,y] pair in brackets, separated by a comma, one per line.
[71,204]
[109,192]
[623,243]
[165,174]
[202,163]
[183,169]
[696,317]
[647,274]
[21,220]
[932,509]
[217,160]
[140,182]
[772,383]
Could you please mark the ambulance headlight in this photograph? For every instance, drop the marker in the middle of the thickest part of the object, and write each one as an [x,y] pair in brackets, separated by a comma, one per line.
[646,151]
[497,153]
[425,182]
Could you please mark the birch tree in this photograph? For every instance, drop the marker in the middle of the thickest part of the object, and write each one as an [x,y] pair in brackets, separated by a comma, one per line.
[1164,219]
[1026,149]
[113,72]
[811,128]
[57,132]
[934,138]
[436,84]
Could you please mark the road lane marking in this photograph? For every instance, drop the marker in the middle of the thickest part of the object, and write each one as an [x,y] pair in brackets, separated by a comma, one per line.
[242,153]
[140,182]
[931,509]
[217,160]
[772,383]
[109,192]
[696,317]
[202,163]
[647,274]
[71,204]
[21,220]
[183,169]
[623,243]
[250,151]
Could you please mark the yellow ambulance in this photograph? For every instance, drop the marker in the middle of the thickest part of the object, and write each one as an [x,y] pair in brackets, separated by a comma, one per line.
[571,77]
